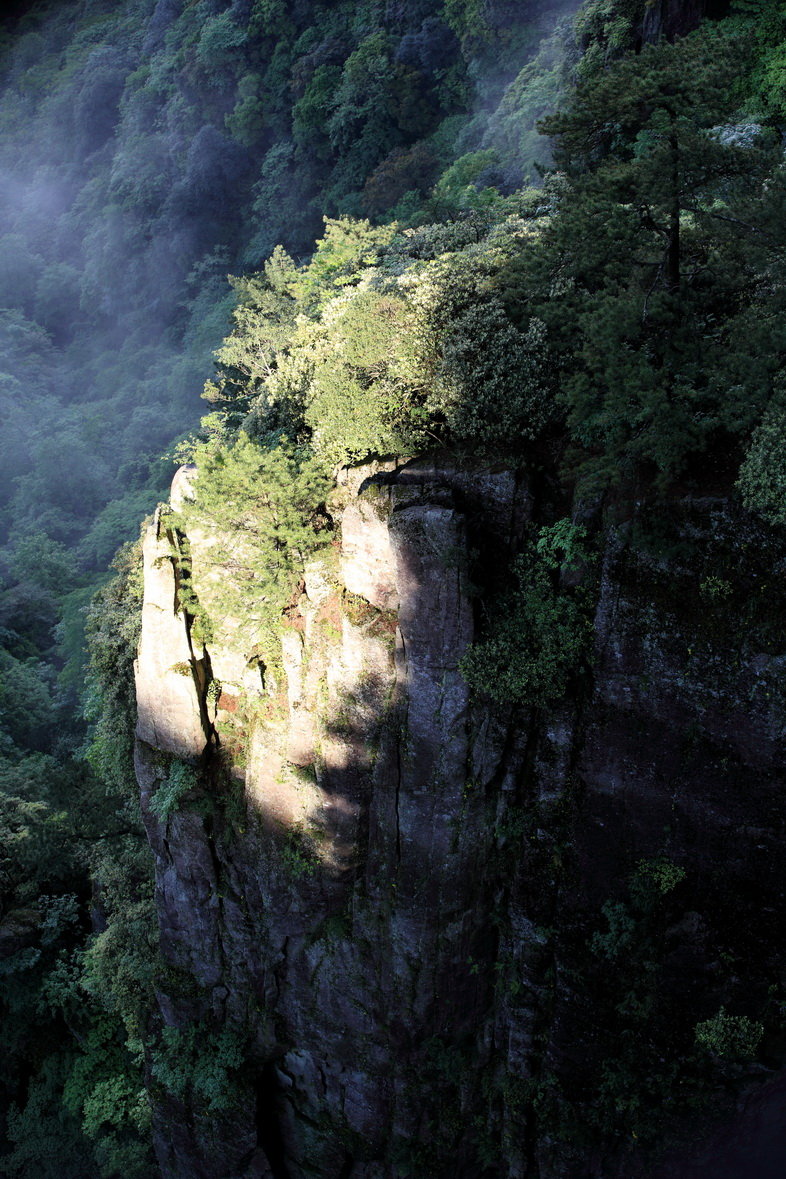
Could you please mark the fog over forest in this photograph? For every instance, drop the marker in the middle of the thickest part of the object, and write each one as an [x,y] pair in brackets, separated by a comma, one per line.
[149,149]
[539,235]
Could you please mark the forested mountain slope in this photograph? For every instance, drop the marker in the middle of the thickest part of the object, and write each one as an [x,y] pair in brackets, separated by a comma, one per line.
[590,367]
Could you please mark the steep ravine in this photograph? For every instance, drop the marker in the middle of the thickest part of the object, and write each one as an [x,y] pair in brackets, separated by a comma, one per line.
[378,899]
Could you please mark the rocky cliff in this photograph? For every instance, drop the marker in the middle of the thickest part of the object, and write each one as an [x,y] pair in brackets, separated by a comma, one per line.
[409,933]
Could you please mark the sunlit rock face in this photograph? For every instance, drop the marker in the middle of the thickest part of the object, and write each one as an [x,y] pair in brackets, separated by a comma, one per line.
[340,901]
[169,712]
[384,893]
[367,563]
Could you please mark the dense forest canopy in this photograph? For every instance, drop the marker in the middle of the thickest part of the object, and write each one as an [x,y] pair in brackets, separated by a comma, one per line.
[510,230]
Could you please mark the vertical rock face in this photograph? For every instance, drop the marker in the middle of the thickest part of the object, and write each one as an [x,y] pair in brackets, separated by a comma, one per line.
[375,896]
[675,18]
[167,670]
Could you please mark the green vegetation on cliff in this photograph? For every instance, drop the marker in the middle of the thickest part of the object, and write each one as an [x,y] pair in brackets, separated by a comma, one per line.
[619,324]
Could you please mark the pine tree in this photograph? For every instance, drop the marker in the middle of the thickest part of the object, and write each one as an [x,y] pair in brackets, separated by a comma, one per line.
[656,257]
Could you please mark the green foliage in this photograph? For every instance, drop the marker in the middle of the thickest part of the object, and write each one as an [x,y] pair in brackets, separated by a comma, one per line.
[180,781]
[378,105]
[45,1139]
[383,344]
[534,93]
[605,29]
[156,142]
[362,377]
[201,1063]
[760,28]
[298,853]
[457,190]
[732,1037]
[187,601]
[654,879]
[641,1040]
[311,111]
[263,320]
[491,380]
[537,633]
[399,183]
[669,338]
[113,629]
[616,941]
[563,545]
[85,1098]
[466,17]
[112,525]
[647,886]
[32,827]
[105,1090]
[641,294]
[120,965]
[268,18]
[762,478]
[246,123]
[265,504]
[217,49]
[96,997]
[346,249]
[26,703]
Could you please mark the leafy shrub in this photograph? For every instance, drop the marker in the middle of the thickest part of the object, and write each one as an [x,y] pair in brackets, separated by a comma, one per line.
[180,781]
[732,1037]
[362,377]
[762,478]
[654,879]
[459,186]
[537,633]
[489,381]
[203,1062]
[385,343]
[265,505]
[218,47]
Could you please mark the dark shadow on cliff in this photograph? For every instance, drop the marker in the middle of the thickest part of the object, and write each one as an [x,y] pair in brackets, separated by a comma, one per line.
[316,815]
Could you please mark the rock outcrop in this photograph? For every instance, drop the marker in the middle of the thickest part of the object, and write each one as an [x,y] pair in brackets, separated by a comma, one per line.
[378,898]
[677,18]
[168,670]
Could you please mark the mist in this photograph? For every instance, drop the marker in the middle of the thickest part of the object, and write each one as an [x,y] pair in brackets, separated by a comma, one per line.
[148,150]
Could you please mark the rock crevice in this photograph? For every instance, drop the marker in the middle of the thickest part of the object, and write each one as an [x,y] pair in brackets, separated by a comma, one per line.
[387,890]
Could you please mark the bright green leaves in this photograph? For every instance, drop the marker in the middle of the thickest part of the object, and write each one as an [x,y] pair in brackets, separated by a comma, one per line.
[362,377]
[369,350]
[346,249]
[263,320]
[105,1089]
[456,188]
[269,497]
[265,507]
[170,793]
[113,629]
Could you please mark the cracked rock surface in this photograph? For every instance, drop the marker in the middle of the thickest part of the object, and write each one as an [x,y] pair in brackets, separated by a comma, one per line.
[363,882]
